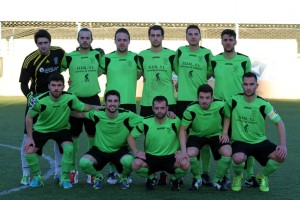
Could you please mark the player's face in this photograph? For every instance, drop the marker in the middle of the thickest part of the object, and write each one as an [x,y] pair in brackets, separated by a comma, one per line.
[112,103]
[85,39]
[156,38]
[43,45]
[122,42]
[205,99]
[56,88]
[193,37]
[228,43]
[249,85]
[160,109]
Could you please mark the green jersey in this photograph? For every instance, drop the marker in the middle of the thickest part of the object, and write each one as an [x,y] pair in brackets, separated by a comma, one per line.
[160,139]
[192,68]
[157,70]
[248,119]
[228,74]
[205,123]
[111,134]
[53,116]
[83,70]
[121,75]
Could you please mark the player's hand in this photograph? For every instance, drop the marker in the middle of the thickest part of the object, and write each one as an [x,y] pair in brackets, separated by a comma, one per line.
[140,154]
[29,142]
[171,114]
[281,151]
[180,156]
[224,138]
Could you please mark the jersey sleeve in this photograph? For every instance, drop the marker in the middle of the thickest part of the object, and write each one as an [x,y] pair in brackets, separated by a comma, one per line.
[187,118]
[271,113]
[64,64]
[34,107]
[134,119]
[77,104]
[138,130]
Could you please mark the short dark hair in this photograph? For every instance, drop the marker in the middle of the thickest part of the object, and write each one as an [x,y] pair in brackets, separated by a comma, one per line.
[112,92]
[250,75]
[122,30]
[229,32]
[56,76]
[156,27]
[42,33]
[85,29]
[205,88]
[160,99]
[192,26]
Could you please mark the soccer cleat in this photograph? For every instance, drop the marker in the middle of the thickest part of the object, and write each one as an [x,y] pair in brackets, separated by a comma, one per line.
[195,184]
[162,179]
[90,179]
[206,180]
[124,184]
[252,182]
[220,186]
[174,185]
[97,184]
[65,184]
[237,183]
[74,177]
[181,181]
[226,181]
[37,181]
[113,178]
[25,179]
[150,184]
[129,180]
[263,183]
[56,178]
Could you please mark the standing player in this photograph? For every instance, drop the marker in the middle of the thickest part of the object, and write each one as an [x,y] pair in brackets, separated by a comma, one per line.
[228,68]
[204,121]
[192,65]
[161,151]
[248,112]
[84,69]
[52,110]
[113,125]
[36,68]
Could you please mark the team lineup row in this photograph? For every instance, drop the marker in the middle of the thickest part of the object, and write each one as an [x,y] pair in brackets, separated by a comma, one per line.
[110,129]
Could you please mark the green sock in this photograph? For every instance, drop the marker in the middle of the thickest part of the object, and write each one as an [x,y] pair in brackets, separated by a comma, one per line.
[195,167]
[88,167]
[66,161]
[33,163]
[238,169]
[91,141]
[270,168]
[75,153]
[179,173]
[126,161]
[205,157]
[222,168]
[250,167]
[143,172]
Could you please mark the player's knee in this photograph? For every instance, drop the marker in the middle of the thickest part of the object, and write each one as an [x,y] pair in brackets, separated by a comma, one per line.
[226,151]
[137,164]
[238,158]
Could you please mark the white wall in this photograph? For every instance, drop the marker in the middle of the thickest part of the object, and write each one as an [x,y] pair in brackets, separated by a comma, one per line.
[274,60]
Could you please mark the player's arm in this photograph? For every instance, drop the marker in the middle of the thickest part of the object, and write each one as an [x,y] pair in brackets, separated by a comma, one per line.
[224,138]
[183,139]
[29,128]
[281,149]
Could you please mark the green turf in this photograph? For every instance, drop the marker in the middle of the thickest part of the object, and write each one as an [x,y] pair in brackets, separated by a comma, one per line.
[283,184]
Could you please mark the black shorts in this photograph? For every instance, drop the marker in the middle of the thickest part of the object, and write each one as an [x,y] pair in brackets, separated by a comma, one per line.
[103,158]
[160,163]
[89,125]
[40,139]
[131,107]
[213,142]
[259,151]
[147,110]
[181,106]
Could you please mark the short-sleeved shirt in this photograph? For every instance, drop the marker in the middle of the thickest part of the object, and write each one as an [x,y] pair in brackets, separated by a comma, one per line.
[160,139]
[111,134]
[37,68]
[192,68]
[121,75]
[205,123]
[53,116]
[83,70]
[157,70]
[228,74]
[248,119]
